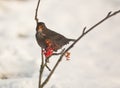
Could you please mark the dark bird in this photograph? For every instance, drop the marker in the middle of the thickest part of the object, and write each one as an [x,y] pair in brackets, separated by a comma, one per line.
[47,38]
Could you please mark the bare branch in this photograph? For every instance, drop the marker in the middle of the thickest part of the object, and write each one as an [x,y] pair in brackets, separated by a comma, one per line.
[47,66]
[52,71]
[36,13]
[84,30]
[109,13]
[80,37]
[42,58]
[41,69]
[59,53]
[108,16]
[116,12]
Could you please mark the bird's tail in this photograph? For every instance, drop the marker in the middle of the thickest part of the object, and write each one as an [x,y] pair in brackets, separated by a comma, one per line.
[72,40]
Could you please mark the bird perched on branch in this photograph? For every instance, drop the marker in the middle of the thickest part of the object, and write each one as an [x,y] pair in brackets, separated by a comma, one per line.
[49,40]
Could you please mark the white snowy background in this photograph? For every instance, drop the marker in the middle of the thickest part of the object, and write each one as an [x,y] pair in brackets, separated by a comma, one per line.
[95,60]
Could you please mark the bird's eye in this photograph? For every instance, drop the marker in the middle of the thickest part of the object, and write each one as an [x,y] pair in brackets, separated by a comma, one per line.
[40,28]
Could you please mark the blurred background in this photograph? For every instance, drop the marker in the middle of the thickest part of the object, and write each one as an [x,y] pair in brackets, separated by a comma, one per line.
[95,60]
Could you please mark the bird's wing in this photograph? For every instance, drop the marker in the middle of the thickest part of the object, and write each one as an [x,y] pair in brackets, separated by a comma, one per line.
[57,38]
[49,32]
[54,35]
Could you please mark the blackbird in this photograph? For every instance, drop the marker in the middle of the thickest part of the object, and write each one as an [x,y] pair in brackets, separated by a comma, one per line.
[48,39]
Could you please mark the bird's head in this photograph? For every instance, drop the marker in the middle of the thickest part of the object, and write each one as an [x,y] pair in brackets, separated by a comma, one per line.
[40,27]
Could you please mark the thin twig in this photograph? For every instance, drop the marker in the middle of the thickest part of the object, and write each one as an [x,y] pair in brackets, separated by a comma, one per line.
[42,58]
[108,16]
[109,13]
[84,29]
[47,66]
[36,13]
[81,36]
[52,71]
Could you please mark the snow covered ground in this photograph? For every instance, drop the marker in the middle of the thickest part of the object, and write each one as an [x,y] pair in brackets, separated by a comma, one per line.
[95,60]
